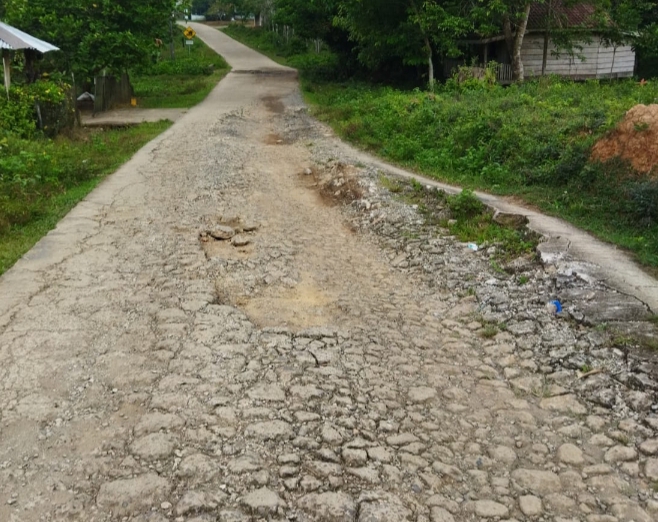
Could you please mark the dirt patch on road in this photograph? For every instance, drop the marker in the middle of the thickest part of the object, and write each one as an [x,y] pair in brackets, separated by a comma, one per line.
[304,306]
[337,183]
[635,139]
[274,139]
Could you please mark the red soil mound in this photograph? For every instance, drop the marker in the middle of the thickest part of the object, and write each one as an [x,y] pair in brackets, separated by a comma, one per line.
[635,139]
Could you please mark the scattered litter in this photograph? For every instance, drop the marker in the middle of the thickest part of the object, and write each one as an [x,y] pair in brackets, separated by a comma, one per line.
[554,306]
[473,247]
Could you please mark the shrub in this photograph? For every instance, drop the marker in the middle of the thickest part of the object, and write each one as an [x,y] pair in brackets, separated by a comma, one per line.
[465,205]
[644,200]
[317,67]
[19,116]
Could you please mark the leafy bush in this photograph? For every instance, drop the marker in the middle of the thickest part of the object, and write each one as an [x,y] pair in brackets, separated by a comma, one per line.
[465,205]
[317,67]
[18,114]
[467,78]
[644,200]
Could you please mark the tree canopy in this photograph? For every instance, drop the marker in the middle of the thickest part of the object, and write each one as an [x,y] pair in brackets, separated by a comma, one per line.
[115,35]
[95,35]
[424,31]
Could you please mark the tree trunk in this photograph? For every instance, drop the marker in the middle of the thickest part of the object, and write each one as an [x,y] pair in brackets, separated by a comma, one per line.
[430,69]
[428,46]
[517,63]
[547,38]
[6,63]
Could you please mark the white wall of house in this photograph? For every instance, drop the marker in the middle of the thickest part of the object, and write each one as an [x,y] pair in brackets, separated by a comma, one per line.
[599,62]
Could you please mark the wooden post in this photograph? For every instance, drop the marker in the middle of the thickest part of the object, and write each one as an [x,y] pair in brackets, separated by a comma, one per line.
[612,67]
[6,64]
[547,37]
[171,41]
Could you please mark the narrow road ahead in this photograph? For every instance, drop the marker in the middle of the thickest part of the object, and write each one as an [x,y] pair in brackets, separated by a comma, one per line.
[299,370]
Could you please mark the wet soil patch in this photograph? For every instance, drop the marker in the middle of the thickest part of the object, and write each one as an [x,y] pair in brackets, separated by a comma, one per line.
[274,104]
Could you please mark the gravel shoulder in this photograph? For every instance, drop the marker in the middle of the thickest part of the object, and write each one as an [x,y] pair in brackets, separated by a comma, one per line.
[243,324]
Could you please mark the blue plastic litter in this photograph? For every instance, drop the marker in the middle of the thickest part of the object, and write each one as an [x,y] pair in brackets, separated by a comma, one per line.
[557,305]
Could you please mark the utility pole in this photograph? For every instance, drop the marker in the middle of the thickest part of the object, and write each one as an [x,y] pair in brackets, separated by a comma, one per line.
[171,40]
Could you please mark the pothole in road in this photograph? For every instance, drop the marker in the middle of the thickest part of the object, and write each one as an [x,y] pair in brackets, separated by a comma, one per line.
[337,184]
[230,238]
[298,305]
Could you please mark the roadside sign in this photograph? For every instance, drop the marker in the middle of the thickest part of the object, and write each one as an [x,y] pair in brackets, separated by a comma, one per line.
[189,33]
[189,42]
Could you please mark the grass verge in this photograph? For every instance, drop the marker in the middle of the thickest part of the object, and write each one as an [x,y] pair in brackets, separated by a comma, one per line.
[183,82]
[265,42]
[532,141]
[61,173]
[294,52]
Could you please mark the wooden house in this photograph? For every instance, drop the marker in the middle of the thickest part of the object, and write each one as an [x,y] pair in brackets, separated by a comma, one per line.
[591,56]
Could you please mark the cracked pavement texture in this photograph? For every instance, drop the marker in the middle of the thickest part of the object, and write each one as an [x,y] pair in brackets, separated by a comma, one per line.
[147,376]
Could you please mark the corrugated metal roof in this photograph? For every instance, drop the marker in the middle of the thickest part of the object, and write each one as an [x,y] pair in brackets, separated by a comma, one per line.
[15,39]
[580,15]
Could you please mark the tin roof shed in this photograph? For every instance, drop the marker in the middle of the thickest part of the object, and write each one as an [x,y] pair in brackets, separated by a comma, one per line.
[12,39]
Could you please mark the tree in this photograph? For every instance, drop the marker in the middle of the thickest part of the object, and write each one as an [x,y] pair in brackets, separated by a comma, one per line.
[442,24]
[95,35]
[200,7]
[311,19]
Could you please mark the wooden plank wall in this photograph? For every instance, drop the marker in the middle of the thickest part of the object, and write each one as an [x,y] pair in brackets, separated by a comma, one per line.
[598,62]
[616,62]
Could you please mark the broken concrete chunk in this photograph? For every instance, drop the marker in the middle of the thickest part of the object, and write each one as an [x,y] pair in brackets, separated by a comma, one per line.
[222,232]
[240,241]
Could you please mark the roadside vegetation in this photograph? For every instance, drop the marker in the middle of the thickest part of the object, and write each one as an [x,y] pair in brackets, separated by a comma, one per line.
[292,51]
[531,140]
[180,83]
[48,162]
[42,179]
[465,217]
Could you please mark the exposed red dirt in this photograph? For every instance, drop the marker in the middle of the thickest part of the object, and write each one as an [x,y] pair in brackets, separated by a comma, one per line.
[635,139]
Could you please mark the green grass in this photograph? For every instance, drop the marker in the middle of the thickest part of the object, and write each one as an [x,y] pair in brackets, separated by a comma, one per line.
[489,331]
[57,175]
[294,52]
[532,141]
[181,83]
[265,42]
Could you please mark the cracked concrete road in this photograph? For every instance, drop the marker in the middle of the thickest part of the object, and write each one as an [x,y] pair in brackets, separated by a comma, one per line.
[292,373]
